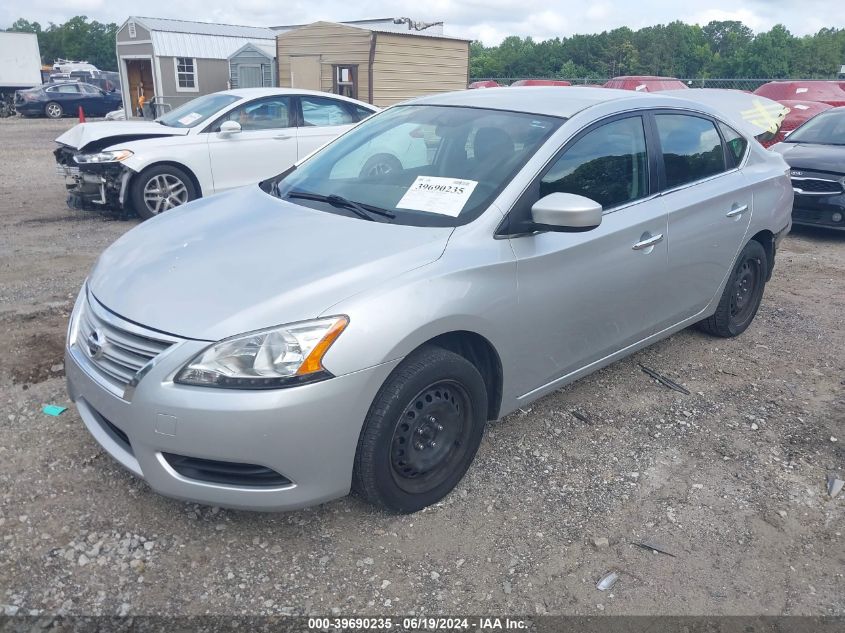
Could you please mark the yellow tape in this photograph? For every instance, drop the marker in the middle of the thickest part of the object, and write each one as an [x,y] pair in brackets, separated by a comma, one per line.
[769,117]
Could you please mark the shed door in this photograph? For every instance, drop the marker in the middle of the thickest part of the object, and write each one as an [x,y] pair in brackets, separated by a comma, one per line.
[250,77]
[305,72]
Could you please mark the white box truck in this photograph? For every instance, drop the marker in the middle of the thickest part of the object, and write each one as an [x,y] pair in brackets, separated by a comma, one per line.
[20,67]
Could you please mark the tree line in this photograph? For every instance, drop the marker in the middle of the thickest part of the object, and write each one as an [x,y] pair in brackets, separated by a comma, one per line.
[76,39]
[726,49]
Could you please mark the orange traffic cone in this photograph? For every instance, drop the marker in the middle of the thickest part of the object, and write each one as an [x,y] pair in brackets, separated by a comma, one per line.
[81,115]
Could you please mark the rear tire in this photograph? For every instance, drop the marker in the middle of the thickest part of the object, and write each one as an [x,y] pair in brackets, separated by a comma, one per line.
[422,431]
[53,110]
[742,295]
[160,188]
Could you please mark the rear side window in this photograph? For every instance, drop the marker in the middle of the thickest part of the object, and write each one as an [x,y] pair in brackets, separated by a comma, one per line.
[608,165]
[735,142]
[692,149]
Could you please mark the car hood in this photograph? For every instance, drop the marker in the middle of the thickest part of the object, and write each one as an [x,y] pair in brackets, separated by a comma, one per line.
[118,131]
[244,260]
[813,157]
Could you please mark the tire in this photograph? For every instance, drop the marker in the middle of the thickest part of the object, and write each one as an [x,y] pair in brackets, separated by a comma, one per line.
[380,165]
[160,188]
[422,431]
[54,110]
[742,295]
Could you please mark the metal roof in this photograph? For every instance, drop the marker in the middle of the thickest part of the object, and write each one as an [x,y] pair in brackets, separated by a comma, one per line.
[174,44]
[204,28]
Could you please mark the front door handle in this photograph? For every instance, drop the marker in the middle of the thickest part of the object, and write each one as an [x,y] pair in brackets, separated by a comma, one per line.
[648,242]
[737,210]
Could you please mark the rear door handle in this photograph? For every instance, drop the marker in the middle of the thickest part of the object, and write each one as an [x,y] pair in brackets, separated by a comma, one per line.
[650,241]
[737,211]
[282,137]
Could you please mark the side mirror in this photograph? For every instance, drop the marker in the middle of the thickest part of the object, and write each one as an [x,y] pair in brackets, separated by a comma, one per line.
[566,212]
[227,128]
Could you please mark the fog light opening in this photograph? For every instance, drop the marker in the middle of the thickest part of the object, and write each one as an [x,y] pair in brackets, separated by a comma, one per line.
[836,217]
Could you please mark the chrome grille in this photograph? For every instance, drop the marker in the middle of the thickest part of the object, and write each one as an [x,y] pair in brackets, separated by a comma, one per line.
[816,186]
[114,349]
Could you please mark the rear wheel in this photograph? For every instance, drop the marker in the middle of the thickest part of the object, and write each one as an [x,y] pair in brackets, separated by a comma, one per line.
[54,110]
[742,295]
[159,189]
[422,431]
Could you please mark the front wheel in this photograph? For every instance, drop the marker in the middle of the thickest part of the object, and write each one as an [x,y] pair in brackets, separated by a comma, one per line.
[742,295]
[159,189]
[422,431]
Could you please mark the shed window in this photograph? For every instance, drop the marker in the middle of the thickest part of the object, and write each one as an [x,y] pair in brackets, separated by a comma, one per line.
[186,74]
[132,32]
[346,81]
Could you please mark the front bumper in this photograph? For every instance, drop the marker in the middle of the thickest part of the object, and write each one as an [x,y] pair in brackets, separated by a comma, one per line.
[92,186]
[308,434]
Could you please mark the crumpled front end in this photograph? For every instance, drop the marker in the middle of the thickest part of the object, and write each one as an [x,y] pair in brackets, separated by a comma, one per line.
[92,186]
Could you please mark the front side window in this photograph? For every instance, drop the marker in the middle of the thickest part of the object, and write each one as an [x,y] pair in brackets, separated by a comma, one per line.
[186,74]
[262,114]
[428,165]
[320,111]
[692,149]
[93,90]
[198,110]
[608,164]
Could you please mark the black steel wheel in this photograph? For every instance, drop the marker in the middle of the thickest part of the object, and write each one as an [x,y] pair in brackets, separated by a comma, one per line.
[742,294]
[422,432]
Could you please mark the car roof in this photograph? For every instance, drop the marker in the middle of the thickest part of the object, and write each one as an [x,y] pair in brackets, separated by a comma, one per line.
[559,101]
[252,93]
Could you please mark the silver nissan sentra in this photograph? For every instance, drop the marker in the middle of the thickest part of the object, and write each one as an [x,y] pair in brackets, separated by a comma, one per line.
[353,323]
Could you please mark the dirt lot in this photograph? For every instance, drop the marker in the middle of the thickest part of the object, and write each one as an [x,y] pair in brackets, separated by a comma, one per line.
[730,479]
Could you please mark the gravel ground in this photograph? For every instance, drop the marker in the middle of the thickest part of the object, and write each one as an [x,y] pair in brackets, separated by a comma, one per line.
[730,479]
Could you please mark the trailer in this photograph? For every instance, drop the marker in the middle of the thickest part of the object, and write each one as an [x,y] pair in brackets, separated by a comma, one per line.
[20,67]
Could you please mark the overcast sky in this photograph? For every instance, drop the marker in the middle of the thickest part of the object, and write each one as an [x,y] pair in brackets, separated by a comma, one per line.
[487,20]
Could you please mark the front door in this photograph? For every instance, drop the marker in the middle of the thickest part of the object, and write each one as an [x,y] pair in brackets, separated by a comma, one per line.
[709,203]
[305,72]
[265,146]
[585,295]
[250,77]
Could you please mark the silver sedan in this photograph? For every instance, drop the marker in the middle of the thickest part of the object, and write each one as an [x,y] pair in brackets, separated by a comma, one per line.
[337,328]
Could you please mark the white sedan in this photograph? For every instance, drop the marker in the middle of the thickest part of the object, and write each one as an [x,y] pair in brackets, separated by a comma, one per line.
[213,143]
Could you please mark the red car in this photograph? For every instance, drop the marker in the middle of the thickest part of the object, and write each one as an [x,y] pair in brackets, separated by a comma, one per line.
[487,83]
[799,112]
[645,83]
[829,92]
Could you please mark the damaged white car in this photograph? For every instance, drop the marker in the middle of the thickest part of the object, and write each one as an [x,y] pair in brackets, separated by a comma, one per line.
[213,143]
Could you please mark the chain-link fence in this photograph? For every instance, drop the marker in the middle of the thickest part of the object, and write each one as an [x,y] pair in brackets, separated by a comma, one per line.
[749,84]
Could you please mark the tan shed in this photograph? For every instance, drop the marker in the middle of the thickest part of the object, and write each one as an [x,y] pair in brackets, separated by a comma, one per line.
[378,65]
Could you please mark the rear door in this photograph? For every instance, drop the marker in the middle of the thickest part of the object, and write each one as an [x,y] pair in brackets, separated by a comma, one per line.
[709,204]
[585,295]
[265,146]
[321,120]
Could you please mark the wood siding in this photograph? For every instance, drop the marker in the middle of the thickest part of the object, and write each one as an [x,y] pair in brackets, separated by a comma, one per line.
[408,66]
[334,44]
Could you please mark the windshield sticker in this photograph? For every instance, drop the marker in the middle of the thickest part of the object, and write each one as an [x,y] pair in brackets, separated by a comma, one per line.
[446,196]
[190,118]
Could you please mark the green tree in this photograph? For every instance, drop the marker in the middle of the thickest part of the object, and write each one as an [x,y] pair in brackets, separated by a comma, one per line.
[76,39]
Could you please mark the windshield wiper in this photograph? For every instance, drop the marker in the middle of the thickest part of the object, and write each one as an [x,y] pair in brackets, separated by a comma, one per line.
[361,210]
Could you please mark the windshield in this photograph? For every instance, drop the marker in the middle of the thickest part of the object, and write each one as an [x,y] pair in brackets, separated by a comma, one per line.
[827,128]
[197,111]
[427,165]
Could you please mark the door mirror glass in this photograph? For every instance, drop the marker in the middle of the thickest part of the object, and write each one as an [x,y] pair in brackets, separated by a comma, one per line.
[566,212]
[227,128]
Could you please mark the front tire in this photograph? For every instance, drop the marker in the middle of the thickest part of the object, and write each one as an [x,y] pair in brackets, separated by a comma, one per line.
[54,110]
[422,431]
[160,188]
[742,295]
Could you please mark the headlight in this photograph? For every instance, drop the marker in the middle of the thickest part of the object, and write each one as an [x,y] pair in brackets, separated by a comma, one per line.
[112,156]
[268,359]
